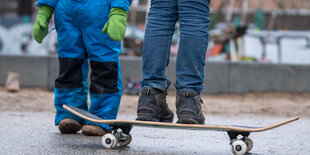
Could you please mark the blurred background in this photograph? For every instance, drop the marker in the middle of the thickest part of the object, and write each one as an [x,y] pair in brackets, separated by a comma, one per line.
[257,73]
[254,45]
[268,31]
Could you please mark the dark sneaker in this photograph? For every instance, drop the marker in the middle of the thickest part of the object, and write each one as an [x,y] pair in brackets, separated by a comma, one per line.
[188,104]
[69,125]
[93,130]
[152,106]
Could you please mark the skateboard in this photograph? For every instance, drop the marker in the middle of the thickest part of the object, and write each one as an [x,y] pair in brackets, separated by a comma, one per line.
[120,134]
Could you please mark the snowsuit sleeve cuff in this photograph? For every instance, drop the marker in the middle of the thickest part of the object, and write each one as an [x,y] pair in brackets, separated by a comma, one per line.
[50,3]
[124,4]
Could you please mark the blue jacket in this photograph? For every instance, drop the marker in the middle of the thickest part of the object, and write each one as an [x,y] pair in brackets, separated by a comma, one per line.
[124,4]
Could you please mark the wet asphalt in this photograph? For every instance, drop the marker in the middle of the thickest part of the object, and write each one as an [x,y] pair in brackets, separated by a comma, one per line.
[34,133]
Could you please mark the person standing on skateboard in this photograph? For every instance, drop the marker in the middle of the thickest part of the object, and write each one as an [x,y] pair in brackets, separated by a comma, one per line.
[193,19]
[88,30]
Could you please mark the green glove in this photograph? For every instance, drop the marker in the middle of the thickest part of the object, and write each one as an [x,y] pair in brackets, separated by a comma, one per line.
[116,26]
[40,27]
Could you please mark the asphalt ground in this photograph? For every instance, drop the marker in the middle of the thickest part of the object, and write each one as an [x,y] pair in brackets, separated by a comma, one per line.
[35,133]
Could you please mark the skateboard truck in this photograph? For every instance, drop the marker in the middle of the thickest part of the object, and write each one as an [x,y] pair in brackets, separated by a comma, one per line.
[120,135]
[240,146]
[125,128]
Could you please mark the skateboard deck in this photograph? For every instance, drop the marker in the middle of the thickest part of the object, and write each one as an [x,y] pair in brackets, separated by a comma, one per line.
[125,125]
[93,118]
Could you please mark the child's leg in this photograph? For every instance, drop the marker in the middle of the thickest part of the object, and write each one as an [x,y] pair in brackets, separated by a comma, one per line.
[106,85]
[194,22]
[160,27]
[71,86]
[190,63]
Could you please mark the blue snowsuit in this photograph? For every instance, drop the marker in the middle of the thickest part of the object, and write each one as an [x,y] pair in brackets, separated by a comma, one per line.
[80,41]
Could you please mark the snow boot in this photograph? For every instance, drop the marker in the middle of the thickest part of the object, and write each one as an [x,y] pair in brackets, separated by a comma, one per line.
[188,104]
[152,106]
[69,125]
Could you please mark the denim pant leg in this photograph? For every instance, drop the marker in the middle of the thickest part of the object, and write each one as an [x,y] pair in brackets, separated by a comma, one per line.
[194,23]
[160,27]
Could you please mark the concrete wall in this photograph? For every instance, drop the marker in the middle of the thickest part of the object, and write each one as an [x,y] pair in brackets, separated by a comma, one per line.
[220,77]
[33,71]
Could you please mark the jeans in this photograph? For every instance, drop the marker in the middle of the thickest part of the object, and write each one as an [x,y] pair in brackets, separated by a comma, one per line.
[192,16]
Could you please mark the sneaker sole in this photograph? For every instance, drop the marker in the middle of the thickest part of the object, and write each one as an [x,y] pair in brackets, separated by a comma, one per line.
[143,118]
[188,121]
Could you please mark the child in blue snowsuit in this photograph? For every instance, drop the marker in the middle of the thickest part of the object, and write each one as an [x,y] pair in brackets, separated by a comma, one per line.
[89,32]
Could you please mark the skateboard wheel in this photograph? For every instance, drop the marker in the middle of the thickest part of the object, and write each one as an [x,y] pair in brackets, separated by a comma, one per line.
[109,141]
[125,142]
[239,147]
[249,143]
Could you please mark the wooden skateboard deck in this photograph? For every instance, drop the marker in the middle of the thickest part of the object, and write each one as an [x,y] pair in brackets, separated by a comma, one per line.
[93,118]
[233,130]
